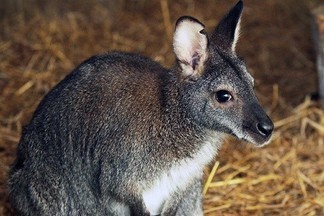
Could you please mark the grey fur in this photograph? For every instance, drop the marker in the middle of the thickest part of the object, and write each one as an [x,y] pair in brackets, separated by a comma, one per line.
[121,135]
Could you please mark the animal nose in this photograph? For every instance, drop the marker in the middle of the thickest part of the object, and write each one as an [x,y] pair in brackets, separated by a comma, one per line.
[265,128]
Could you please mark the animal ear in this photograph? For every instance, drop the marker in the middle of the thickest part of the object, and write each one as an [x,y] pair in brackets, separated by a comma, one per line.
[190,46]
[227,31]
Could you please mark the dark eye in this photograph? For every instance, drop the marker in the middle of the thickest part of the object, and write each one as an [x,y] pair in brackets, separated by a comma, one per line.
[223,96]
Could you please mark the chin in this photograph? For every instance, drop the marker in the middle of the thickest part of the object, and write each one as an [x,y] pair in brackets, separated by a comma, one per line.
[257,141]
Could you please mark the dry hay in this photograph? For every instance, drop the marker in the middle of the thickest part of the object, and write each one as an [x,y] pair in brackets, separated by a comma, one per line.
[39,47]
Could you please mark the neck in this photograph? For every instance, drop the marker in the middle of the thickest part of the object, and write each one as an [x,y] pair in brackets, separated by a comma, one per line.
[184,134]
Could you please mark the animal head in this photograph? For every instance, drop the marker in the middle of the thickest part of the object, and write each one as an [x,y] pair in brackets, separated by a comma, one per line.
[217,88]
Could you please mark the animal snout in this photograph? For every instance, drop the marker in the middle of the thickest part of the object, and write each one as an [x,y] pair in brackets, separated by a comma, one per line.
[265,128]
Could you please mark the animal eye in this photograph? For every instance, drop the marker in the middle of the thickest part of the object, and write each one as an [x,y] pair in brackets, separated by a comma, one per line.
[223,96]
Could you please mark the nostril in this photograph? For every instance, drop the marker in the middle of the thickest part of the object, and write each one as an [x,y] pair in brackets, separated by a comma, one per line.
[265,129]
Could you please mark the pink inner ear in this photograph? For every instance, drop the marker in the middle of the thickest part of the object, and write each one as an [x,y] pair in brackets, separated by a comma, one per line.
[194,60]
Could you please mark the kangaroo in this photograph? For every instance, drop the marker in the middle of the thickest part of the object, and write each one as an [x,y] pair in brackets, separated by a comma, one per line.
[122,135]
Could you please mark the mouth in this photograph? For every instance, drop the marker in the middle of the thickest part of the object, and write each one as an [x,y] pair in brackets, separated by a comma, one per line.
[258,137]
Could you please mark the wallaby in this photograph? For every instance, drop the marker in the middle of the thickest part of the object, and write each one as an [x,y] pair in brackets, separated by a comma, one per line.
[122,135]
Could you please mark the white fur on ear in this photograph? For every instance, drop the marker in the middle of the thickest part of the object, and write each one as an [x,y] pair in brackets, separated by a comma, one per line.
[190,46]
[236,35]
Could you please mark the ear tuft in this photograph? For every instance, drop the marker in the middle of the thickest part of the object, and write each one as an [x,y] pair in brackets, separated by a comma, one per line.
[227,31]
[190,46]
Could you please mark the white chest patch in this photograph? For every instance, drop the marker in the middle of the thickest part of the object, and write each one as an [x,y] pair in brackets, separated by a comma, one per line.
[180,175]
